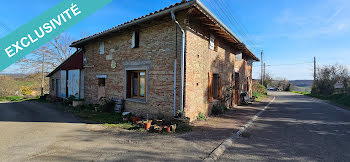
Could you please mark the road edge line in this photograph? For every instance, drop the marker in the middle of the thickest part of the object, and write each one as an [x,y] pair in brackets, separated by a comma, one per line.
[218,151]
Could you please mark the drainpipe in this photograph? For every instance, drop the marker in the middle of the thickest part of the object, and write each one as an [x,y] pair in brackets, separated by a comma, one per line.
[182,66]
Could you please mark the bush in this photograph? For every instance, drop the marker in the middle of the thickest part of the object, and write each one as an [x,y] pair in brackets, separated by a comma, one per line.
[218,109]
[107,105]
[259,91]
[26,91]
[258,88]
[201,116]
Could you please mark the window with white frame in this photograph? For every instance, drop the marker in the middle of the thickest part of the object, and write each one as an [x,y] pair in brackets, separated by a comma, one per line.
[211,42]
[102,48]
[135,39]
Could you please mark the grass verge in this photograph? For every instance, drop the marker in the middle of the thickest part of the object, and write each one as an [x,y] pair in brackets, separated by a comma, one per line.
[341,99]
[15,98]
[259,96]
[303,93]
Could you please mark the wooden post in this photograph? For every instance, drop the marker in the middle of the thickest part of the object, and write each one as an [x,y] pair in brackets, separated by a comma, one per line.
[314,68]
[42,74]
[262,69]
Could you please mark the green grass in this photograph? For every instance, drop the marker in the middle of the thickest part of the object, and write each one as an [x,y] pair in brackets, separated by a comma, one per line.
[259,96]
[14,98]
[342,99]
[120,125]
[303,93]
[89,113]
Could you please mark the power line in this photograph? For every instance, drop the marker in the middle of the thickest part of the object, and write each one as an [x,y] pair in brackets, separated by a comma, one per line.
[239,31]
[242,27]
[287,64]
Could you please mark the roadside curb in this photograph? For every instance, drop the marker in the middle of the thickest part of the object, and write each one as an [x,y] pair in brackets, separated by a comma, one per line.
[216,153]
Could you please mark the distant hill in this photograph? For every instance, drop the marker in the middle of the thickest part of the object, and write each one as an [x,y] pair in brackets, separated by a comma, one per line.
[11,84]
[17,75]
[302,83]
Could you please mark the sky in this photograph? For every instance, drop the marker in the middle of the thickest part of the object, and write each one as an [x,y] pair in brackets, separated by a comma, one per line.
[289,32]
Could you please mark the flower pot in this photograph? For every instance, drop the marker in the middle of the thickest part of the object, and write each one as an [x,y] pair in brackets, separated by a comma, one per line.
[147,125]
[158,129]
[167,129]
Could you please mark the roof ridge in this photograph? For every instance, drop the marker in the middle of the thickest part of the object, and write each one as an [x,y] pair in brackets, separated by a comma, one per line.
[127,22]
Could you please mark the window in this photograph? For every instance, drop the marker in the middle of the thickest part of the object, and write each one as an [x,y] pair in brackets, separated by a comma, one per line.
[102,48]
[136,84]
[101,82]
[135,39]
[239,56]
[213,44]
[214,87]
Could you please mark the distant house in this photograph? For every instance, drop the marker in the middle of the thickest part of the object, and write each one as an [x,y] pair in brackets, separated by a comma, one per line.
[156,68]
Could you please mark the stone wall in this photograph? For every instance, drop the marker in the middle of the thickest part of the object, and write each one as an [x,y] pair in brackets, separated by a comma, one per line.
[200,60]
[156,53]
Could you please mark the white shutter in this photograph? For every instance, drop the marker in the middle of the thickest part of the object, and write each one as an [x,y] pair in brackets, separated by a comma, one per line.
[133,40]
[211,42]
[102,48]
[239,56]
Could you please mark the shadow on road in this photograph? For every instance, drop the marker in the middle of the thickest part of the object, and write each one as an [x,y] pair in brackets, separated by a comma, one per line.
[29,111]
[295,127]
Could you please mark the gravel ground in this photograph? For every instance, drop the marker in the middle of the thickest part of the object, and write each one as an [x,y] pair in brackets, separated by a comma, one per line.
[39,132]
[295,128]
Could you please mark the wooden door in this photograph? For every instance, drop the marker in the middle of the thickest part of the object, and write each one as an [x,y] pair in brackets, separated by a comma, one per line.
[101,88]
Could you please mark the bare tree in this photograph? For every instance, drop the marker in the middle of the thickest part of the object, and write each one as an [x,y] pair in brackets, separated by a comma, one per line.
[328,76]
[56,51]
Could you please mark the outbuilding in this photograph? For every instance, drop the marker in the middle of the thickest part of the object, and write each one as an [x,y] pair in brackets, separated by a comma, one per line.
[68,78]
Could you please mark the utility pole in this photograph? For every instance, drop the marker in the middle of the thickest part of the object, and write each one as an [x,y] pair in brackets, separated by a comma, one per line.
[314,68]
[262,68]
[42,74]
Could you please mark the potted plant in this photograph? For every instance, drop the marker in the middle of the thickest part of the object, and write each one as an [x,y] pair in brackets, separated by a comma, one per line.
[126,116]
[167,129]
[147,124]
[157,128]
[180,114]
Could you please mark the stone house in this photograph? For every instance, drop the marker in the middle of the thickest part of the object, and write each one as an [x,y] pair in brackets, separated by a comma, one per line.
[178,58]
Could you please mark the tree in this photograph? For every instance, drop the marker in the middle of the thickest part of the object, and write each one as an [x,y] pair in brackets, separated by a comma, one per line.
[56,51]
[328,76]
[267,80]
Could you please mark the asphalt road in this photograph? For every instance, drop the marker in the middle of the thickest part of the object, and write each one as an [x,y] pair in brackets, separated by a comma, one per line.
[29,127]
[295,128]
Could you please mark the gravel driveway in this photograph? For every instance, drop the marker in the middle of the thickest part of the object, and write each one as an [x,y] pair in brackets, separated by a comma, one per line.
[295,128]
[40,132]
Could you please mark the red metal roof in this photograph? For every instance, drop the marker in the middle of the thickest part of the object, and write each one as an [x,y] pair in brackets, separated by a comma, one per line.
[75,61]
